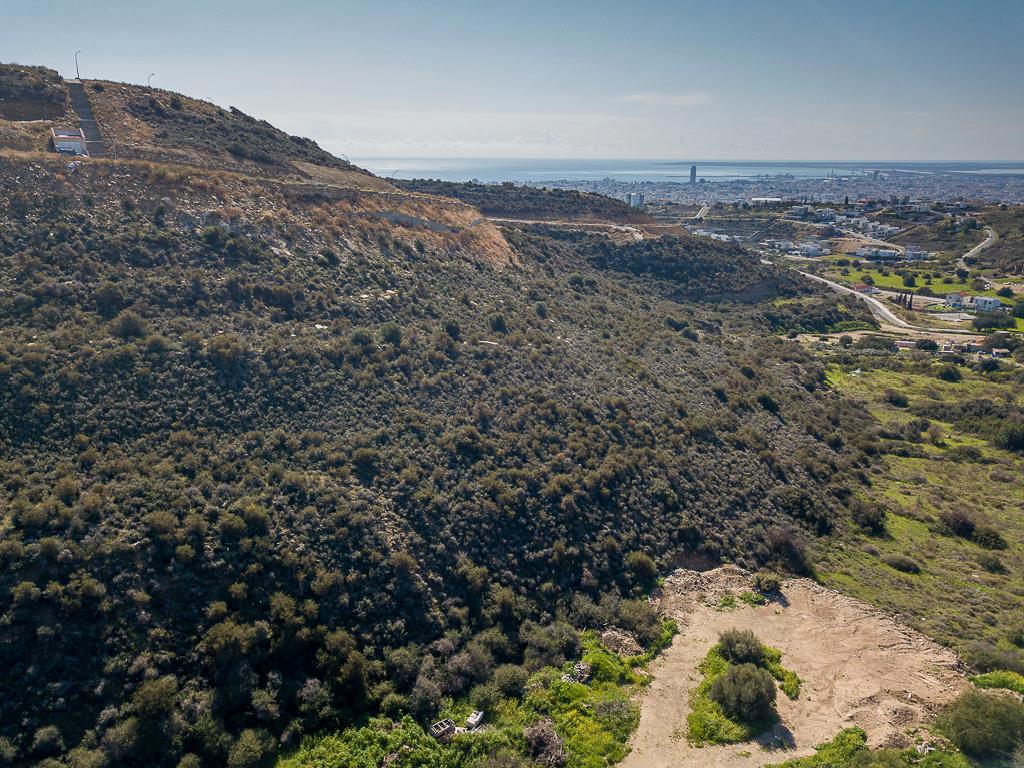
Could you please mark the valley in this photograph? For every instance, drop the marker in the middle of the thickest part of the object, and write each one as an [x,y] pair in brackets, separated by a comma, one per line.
[298,463]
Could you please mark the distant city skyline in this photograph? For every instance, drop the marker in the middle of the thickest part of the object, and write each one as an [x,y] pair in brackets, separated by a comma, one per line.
[800,81]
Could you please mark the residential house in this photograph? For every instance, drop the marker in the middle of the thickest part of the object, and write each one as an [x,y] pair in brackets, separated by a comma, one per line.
[987,304]
[957,300]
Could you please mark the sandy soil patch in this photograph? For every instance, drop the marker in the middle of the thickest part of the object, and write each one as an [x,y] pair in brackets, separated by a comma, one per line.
[859,666]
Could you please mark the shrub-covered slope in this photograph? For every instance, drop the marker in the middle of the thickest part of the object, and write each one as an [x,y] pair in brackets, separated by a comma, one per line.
[31,93]
[162,126]
[512,201]
[278,455]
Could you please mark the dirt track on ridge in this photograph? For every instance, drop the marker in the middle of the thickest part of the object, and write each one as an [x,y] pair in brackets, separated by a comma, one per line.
[858,666]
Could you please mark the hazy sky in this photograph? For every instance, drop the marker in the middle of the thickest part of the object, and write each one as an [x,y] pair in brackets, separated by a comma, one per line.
[716,79]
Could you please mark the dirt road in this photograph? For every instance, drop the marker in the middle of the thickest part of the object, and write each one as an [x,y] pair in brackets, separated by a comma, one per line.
[859,667]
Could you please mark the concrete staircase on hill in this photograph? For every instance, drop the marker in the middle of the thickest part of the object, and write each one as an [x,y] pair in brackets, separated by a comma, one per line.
[95,146]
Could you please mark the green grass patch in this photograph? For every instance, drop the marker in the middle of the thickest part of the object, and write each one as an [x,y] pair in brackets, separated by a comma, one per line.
[789,681]
[965,596]
[726,603]
[1010,681]
[849,749]
[752,598]
[707,723]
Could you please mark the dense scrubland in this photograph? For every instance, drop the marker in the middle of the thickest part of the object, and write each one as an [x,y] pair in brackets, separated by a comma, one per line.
[276,459]
[31,93]
[293,462]
[514,201]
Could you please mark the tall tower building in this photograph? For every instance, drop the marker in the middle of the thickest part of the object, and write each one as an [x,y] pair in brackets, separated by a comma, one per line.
[693,174]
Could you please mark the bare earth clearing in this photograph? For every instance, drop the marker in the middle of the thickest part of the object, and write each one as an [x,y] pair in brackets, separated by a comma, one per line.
[858,665]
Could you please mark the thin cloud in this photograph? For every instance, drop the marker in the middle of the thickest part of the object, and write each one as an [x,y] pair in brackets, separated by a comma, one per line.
[659,99]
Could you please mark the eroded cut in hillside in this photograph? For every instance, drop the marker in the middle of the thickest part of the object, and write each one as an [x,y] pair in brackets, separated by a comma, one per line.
[858,666]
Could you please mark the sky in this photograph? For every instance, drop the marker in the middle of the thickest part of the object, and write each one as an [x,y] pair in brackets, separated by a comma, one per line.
[901,80]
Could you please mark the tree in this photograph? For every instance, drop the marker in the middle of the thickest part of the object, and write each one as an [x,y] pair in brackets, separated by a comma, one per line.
[47,741]
[253,748]
[1010,437]
[746,692]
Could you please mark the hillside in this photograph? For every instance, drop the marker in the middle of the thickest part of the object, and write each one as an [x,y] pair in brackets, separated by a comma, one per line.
[279,454]
[31,93]
[155,125]
[1006,255]
[522,202]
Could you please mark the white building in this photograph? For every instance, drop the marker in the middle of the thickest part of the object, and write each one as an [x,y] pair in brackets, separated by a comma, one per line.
[68,141]
[987,304]
[877,254]
[957,300]
[961,301]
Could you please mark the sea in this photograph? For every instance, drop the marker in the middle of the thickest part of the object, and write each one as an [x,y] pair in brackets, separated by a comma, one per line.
[534,170]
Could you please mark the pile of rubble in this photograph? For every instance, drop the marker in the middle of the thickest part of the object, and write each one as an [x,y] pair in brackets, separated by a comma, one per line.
[581,673]
[446,728]
[683,589]
[621,642]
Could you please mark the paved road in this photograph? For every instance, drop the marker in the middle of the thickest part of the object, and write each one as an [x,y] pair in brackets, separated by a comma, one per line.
[878,309]
[885,315]
[992,237]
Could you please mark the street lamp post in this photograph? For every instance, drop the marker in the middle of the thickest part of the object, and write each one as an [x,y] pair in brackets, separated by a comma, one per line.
[149,80]
[78,76]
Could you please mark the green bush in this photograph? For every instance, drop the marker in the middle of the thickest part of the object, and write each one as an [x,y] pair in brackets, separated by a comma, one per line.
[902,563]
[642,567]
[741,646]
[253,748]
[984,725]
[510,680]
[767,583]
[895,398]
[849,749]
[745,692]
[1010,437]
[869,516]
[47,741]
[128,325]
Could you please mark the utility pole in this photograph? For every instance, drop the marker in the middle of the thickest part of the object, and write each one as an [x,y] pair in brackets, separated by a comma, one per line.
[149,80]
[77,75]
